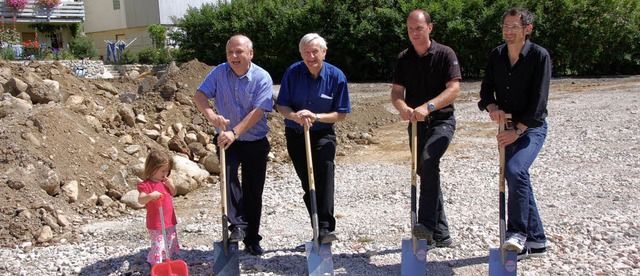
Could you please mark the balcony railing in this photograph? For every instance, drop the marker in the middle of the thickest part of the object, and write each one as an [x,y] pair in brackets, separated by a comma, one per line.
[66,12]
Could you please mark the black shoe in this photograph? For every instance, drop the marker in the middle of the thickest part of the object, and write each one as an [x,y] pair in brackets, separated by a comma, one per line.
[301,248]
[236,235]
[422,233]
[254,249]
[528,252]
[440,243]
[327,236]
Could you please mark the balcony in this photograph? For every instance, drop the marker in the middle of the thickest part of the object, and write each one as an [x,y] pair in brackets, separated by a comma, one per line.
[66,12]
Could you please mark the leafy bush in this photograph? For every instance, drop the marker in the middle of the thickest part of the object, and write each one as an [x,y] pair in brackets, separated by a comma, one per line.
[584,37]
[83,47]
[147,56]
[7,53]
[163,56]
[65,54]
[128,57]
[154,56]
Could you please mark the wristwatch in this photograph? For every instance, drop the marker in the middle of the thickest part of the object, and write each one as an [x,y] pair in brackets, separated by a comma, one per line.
[519,132]
[431,107]
[235,134]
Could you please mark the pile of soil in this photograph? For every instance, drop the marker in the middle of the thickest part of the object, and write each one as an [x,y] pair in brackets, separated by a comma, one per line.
[79,131]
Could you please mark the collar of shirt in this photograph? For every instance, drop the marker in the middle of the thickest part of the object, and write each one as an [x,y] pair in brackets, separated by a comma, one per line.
[523,53]
[248,74]
[432,48]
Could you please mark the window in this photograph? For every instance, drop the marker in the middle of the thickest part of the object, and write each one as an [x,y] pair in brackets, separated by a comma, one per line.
[116,4]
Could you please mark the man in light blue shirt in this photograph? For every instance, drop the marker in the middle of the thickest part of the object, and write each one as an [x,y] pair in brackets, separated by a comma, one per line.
[243,94]
[314,93]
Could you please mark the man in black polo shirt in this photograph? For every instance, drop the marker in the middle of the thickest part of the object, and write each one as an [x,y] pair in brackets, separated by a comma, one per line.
[517,81]
[426,81]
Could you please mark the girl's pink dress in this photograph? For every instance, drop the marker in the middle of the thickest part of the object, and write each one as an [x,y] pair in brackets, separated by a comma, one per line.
[157,252]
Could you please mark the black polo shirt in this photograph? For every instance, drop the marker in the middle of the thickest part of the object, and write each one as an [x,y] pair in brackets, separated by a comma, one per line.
[425,77]
[522,90]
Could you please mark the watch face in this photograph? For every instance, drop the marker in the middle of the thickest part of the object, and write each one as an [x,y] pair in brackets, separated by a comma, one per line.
[431,106]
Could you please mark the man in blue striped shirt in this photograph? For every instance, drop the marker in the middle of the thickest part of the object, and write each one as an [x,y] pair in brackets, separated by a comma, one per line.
[243,94]
[314,93]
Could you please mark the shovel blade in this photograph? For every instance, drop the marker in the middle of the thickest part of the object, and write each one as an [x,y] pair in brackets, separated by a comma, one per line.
[319,262]
[226,263]
[497,267]
[414,263]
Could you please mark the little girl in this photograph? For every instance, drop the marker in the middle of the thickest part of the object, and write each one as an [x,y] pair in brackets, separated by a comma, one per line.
[155,191]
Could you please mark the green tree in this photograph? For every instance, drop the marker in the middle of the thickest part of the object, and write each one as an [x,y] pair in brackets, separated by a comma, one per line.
[158,34]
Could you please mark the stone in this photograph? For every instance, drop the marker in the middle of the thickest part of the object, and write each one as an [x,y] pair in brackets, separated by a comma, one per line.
[104,200]
[70,189]
[45,234]
[107,87]
[12,105]
[130,199]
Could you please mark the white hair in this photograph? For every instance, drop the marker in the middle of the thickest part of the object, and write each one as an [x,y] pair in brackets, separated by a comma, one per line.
[306,39]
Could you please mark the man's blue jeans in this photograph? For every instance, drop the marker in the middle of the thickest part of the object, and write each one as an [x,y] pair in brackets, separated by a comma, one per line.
[523,217]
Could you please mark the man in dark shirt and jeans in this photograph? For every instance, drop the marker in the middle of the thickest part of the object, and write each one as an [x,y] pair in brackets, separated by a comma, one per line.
[426,81]
[517,81]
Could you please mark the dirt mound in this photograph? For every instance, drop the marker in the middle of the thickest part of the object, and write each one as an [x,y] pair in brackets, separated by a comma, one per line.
[71,148]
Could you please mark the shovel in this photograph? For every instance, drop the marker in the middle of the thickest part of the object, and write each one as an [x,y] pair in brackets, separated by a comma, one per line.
[168,267]
[501,261]
[319,257]
[225,253]
[414,251]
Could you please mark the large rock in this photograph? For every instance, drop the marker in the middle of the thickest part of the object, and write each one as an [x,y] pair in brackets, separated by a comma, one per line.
[189,167]
[45,234]
[45,92]
[211,163]
[130,199]
[107,87]
[127,114]
[71,190]
[11,105]
[50,183]
[118,181]
[16,86]
[147,85]
[179,145]
[5,74]
[184,183]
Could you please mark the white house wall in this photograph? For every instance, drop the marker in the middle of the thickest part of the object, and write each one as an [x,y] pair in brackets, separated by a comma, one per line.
[178,8]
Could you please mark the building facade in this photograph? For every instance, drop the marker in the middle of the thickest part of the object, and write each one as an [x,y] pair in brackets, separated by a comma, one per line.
[29,23]
[116,25]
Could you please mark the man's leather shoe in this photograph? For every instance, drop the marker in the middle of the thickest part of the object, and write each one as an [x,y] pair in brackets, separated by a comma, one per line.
[236,235]
[327,236]
[422,233]
[254,249]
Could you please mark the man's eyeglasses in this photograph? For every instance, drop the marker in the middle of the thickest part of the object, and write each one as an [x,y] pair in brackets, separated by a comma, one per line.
[510,28]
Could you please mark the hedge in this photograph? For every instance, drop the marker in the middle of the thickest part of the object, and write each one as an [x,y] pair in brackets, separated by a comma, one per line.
[584,37]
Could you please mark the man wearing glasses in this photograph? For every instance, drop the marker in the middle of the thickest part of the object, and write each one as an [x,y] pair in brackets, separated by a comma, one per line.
[516,81]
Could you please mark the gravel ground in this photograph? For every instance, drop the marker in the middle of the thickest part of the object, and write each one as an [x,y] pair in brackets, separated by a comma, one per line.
[585,181]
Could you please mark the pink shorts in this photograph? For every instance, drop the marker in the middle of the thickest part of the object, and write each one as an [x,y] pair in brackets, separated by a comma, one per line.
[157,253]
